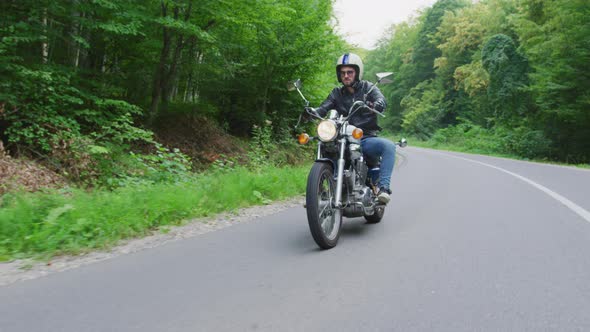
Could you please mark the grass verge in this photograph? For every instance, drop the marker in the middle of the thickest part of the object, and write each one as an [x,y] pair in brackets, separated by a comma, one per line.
[42,225]
[479,147]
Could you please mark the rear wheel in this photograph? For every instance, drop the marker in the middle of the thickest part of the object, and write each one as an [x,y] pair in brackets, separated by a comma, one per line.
[325,220]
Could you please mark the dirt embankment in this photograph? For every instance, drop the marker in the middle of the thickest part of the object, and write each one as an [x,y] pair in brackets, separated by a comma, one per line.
[197,137]
[24,174]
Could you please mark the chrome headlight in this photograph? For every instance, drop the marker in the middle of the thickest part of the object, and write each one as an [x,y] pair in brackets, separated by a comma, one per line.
[327,131]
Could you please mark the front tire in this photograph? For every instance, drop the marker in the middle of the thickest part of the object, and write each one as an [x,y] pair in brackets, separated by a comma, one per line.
[325,220]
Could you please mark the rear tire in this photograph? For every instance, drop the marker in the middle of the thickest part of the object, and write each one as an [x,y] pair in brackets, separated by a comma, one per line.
[325,220]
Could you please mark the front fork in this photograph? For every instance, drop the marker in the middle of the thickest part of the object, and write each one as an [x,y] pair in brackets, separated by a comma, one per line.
[340,174]
[340,171]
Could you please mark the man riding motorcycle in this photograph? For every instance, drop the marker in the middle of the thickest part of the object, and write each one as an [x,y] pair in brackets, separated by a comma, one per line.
[349,71]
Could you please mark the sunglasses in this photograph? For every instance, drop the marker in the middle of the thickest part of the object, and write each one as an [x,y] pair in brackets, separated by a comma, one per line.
[346,72]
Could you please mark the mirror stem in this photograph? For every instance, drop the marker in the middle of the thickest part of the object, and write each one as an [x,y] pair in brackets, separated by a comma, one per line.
[305,100]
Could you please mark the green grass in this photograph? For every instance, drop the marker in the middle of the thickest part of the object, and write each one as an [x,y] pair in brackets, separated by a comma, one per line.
[42,225]
[479,146]
[465,146]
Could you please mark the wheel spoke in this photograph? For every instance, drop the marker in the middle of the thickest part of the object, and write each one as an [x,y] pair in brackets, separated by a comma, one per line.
[325,206]
[326,213]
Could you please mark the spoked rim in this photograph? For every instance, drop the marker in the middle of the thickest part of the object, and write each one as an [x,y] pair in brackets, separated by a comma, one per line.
[328,215]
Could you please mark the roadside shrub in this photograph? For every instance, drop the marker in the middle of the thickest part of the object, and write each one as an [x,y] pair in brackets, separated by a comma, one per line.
[527,143]
[38,106]
[262,147]
[469,137]
[83,137]
[521,141]
[276,150]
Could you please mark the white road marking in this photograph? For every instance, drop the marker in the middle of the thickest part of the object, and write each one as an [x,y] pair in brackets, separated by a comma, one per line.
[571,205]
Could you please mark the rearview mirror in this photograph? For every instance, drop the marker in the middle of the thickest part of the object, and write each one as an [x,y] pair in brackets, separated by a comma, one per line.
[382,78]
[402,143]
[294,85]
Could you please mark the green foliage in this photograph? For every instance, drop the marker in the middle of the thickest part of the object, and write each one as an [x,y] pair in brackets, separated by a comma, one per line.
[44,225]
[80,134]
[268,44]
[425,108]
[275,150]
[394,54]
[516,69]
[426,50]
[37,104]
[82,80]
[508,76]
[262,147]
[554,36]
[71,56]
[468,137]
[164,165]
[524,142]
[471,78]
[224,164]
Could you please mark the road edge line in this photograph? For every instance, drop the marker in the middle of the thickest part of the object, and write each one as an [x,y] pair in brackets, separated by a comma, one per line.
[571,205]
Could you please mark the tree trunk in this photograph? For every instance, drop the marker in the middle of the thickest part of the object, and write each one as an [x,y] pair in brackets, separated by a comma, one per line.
[187,87]
[164,79]
[159,75]
[197,80]
[45,44]
[171,75]
[77,31]
[103,63]
[268,72]
[189,80]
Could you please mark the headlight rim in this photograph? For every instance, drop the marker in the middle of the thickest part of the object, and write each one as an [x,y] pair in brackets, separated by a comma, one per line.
[327,130]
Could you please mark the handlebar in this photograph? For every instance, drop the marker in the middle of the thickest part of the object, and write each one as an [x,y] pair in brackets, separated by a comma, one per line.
[361,105]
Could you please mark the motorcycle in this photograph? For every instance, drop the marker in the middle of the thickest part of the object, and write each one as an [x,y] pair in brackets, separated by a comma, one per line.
[341,182]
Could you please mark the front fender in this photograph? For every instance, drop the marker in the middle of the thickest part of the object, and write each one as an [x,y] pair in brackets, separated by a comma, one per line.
[328,161]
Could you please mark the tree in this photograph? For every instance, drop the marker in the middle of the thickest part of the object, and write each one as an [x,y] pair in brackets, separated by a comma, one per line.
[508,77]
[554,36]
[394,53]
[426,50]
[81,75]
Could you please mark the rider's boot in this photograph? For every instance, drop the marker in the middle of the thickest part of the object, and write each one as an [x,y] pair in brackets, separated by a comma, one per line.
[383,195]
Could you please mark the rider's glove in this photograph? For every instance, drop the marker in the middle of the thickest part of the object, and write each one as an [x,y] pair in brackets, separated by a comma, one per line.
[310,113]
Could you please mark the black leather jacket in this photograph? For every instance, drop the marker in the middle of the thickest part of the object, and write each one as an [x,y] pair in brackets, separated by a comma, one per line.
[341,100]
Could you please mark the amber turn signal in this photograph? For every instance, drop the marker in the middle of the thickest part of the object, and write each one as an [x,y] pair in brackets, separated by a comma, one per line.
[303,138]
[357,133]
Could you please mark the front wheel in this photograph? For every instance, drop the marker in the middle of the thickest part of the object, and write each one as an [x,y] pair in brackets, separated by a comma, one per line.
[325,220]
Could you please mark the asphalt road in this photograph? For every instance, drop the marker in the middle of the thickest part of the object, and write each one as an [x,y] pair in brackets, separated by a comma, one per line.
[468,243]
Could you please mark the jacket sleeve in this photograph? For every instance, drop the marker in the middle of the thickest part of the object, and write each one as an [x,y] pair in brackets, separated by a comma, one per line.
[328,104]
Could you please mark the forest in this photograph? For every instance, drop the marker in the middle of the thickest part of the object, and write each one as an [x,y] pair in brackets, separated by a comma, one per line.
[86,83]
[499,76]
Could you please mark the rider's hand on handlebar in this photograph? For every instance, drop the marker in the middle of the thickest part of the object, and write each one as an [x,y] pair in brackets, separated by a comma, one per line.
[310,113]
[371,105]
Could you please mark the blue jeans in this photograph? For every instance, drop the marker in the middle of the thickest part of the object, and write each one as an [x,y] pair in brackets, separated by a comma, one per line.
[375,148]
